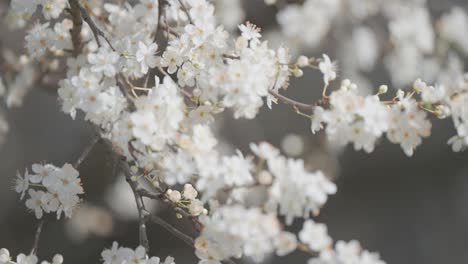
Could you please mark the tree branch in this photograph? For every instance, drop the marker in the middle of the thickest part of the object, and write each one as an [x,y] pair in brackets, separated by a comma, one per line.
[176,232]
[86,152]
[184,8]
[77,26]
[142,213]
[291,102]
[37,236]
[94,28]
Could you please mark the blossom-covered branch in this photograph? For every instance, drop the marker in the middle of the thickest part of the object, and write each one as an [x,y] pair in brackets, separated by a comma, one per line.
[154,103]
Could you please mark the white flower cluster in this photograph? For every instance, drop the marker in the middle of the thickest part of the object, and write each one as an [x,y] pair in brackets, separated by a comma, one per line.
[316,238]
[188,199]
[233,231]
[449,101]
[421,46]
[453,26]
[5,258]
[41,38]
[362,120]
[237,78]
[22,10]
[50,189]
[163,128]
[123,255]
[16,87]
[316,14]
[347,253]
[154,123]
[294,191]
[97,96]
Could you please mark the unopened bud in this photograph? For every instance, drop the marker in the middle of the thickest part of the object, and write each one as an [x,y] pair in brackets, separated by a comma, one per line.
[302,61]
[298,72]
[265,178]
[196,92]
[383,89]
[442,111]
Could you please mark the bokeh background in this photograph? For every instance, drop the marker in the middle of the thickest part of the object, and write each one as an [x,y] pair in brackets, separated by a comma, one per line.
[411,210]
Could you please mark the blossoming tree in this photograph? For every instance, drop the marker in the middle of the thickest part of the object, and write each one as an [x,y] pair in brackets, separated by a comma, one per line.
[151,75]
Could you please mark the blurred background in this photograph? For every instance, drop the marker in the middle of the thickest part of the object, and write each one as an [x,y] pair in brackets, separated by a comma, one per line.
[410,210]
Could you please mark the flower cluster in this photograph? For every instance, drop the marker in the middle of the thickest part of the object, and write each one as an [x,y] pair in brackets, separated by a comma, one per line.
[448,101]
[50,189]
[233,231]
[187,200]
[5,258]
[294,191]
[317,14]
[347,253]
[155,103]
[22,10]
[420,45]
[316,238]
[123,255]
[362,120]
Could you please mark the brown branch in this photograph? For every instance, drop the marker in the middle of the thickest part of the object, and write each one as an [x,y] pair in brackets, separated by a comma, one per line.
[170,30]
[76,29]
[161,6]
[230,56]
[94,28]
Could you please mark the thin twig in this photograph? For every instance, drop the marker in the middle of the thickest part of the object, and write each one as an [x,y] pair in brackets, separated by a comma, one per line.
[291,102]
[182,90]
[179,234]
[176,232]
[184,8]
[86,152]
[142,213]
[94,28]
[37,236]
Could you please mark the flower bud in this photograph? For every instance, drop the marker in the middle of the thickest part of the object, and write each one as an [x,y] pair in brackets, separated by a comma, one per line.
[174,196]
[442,111]
[265,178]
[302,61]
[196,92]
[345,84]
[383,89]
[58,259]
[298,72]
